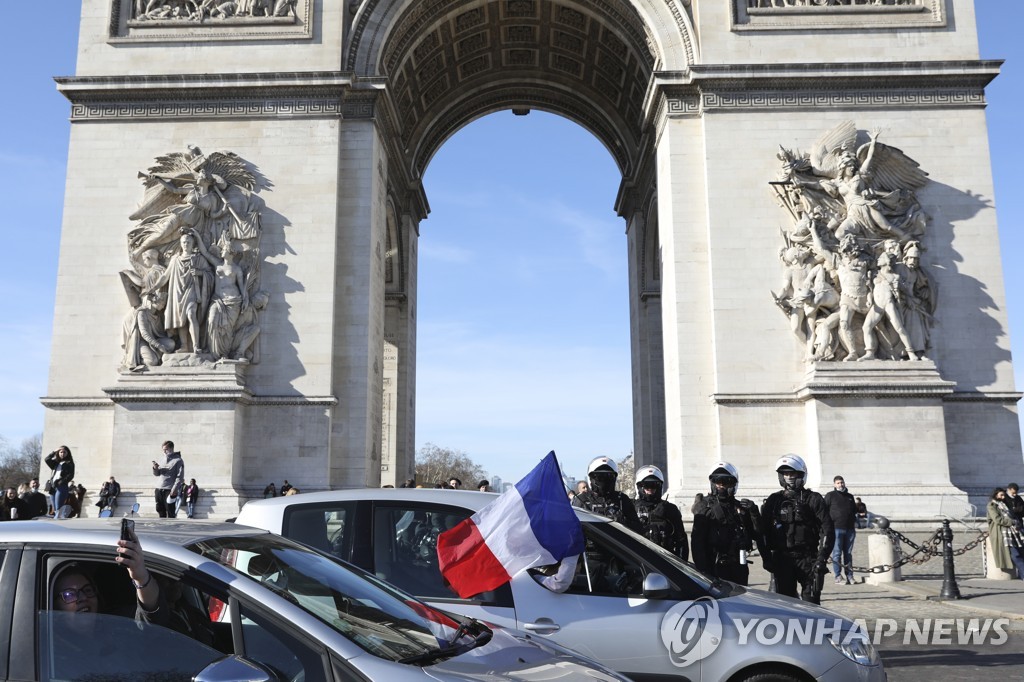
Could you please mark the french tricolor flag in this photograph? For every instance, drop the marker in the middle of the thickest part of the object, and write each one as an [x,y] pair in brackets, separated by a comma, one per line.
[533,524]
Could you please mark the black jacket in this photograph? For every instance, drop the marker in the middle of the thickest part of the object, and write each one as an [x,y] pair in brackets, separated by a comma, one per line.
[798,522]
[722,526]
[842,507]
[615,506]
[662,524]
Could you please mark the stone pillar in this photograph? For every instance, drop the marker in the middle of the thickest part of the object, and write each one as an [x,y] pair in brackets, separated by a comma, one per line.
[646,346]
[358,316]
[691,427]
[398,430]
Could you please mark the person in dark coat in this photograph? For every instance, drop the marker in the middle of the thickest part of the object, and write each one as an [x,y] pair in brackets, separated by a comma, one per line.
[842,507]
[661,521]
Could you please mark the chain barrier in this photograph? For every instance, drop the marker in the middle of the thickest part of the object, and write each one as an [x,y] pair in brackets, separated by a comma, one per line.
[932,547]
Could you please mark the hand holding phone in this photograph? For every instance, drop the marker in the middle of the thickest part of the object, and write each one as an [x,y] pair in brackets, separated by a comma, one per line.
[127,528]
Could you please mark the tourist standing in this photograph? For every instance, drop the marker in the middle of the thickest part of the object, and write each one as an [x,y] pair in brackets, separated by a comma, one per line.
[842,507]
[191,495]
[62,464]
[1004,534]
[36,501]
[172,478]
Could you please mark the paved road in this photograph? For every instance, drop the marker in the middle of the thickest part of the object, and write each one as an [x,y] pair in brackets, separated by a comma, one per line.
[940,658]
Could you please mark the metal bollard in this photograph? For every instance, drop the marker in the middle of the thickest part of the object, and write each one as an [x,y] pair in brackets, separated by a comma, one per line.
[950,590]
[883,551]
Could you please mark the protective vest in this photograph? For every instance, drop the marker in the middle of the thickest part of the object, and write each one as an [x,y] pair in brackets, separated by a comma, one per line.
[656,525]
[728,529]
[795,525]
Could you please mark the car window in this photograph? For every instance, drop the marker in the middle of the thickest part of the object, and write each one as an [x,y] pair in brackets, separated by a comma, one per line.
[286,656]
[379,620]
[607,570]
[90,641]
[405,551]
[686,581]
[326,527]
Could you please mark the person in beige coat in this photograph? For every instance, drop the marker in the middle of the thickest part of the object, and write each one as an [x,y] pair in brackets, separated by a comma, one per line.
[1004,534]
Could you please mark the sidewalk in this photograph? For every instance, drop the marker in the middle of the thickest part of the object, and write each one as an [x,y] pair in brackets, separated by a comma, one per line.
[909,598]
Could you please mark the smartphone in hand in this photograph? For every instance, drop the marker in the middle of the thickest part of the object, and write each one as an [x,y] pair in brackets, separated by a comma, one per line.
[127,528]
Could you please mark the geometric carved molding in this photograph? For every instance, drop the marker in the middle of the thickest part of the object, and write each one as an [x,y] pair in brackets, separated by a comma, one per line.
[123,28]
[786,15]
[916,85]
[191,96]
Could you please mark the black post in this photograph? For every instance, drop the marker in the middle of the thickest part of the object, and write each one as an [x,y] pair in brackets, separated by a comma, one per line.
[950,590]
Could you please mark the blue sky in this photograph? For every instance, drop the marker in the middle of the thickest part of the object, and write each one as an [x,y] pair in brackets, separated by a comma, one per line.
[522,262]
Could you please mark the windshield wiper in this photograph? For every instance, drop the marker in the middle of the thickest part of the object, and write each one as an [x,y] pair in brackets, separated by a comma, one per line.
[481,635]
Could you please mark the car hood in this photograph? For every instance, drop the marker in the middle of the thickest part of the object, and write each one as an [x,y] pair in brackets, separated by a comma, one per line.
[514,656]
[758,603]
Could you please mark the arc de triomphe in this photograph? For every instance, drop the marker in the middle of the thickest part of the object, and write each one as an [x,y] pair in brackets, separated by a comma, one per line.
[244,199]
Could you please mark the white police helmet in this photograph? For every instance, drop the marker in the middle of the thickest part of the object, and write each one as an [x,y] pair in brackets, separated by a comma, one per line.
[789,463]
[724,470]
[651,475]
[603,473]
[599,462]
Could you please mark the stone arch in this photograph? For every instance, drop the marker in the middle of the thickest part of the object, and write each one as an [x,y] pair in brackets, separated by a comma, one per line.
[448,62]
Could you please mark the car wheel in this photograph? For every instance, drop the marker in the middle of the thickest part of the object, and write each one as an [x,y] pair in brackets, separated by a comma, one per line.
[768,675]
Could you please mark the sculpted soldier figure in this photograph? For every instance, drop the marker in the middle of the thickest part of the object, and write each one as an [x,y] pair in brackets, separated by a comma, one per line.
[853,270]
[143,339]
[851,203]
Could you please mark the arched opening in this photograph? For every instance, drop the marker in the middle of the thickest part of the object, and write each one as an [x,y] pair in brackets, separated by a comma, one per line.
[445,64]
[523,314]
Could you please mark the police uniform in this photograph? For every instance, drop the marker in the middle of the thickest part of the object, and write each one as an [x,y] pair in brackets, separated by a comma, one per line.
[661,522]
[615,505]
[723,527]
[799,533]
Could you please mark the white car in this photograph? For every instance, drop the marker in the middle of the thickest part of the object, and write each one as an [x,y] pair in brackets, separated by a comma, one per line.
[631,606]
[238,604]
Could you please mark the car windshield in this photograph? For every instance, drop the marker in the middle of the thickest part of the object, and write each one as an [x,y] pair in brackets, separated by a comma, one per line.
[709,584]
[378,618]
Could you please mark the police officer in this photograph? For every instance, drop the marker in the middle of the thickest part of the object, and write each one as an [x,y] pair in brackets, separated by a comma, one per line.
[660,520]
[799,532]
[603,498]
[726,529]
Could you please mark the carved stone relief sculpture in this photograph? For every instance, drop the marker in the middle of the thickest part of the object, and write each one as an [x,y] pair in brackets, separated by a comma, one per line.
[853,286]
[755,4]
[198,11]
[195,264]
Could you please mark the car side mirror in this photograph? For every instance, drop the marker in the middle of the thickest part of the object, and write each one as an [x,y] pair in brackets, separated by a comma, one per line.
[231,668]
[655,586]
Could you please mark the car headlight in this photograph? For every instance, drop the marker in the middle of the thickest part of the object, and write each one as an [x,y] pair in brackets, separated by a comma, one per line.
[856,646]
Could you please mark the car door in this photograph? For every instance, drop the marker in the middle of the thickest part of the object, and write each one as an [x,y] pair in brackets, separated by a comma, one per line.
[604,614]
[405,555]
[114,645]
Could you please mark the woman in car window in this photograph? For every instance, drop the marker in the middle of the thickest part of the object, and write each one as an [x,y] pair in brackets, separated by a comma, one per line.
[74,590]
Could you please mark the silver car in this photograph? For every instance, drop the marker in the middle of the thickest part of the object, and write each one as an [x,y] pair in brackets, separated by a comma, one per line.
[240,604]
[630,605]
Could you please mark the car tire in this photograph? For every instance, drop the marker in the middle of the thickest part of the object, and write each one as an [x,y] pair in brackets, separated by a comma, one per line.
[768,675]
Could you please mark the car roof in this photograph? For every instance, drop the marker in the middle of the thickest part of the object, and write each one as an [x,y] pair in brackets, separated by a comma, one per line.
[163,536]
[470,499]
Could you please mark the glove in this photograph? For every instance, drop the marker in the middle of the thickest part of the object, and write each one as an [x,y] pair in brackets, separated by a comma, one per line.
[766,561]
[820,567]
